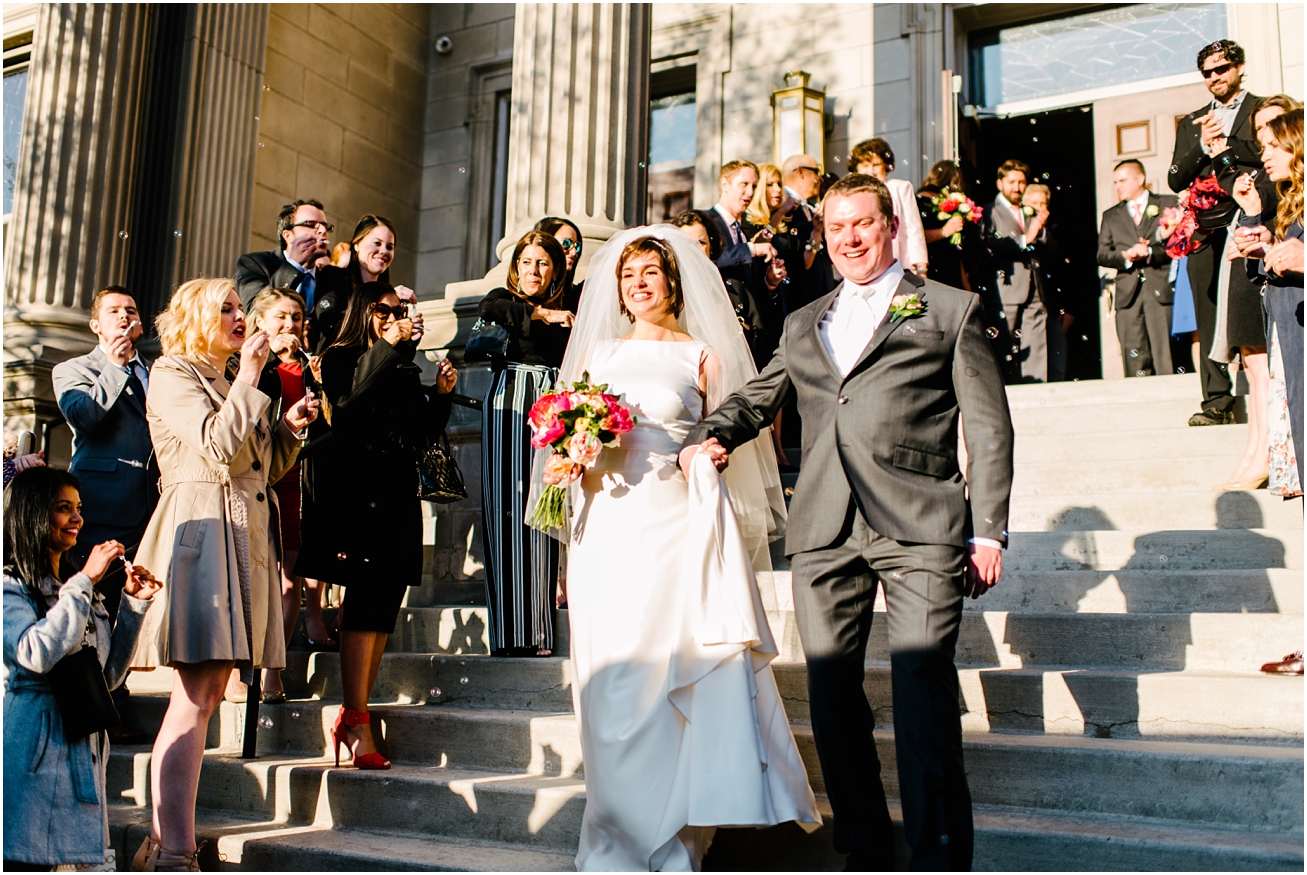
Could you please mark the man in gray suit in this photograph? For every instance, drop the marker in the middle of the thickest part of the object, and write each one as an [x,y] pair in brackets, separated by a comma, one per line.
[102,396]
[882,368]
[1013,274]
[1127,241]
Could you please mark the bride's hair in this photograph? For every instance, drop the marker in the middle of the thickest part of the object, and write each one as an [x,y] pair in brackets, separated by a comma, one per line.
[666,260]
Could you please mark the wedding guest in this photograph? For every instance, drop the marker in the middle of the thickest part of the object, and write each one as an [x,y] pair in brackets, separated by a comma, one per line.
[279,313]
[785,221]
[1129,242]
[801,175]
[1203,145]
[1012,272]
[1050,281]
[568,236]
[521,562]
[219,452]
[340,254]
[1275,237]
[55,793]
[14,463]
[102,397]
[302,230]
[876,158]
[366,491]
[947,262]
[703,231]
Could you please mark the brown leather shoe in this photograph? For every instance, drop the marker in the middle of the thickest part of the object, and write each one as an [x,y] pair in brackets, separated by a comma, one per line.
[1290,665]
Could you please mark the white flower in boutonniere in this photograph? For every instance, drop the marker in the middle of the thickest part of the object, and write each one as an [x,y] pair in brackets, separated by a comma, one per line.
[1151,211]
[906,306]
[1027,211]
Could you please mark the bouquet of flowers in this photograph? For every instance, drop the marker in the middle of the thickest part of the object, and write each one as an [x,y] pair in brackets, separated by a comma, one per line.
[577,423]
[1204,194]
[1169,221]
[947,205]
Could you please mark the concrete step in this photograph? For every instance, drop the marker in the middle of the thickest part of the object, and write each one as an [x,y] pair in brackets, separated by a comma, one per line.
[458,630]
[1132,476]
[1199,508]
[238,844]
[1005,840]
[1178,549]
[1175,387]
[1109,418]
[1233,785]
[1154,444]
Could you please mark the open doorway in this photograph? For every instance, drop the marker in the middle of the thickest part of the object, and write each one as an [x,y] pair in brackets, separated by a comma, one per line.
[1059,147]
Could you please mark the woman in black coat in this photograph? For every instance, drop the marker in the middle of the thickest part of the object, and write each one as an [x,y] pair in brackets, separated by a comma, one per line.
[950,263]
[521,562]
[367,532]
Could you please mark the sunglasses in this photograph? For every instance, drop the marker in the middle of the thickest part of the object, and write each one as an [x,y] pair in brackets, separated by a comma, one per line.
[813,170]
[385,311]
[316,226]
[1218,70]
[569,245]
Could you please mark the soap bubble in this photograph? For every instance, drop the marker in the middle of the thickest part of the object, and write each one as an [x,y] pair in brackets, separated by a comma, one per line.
[265,721]
[462,170]
[1179,370]
[1139,373]
[1134,353]
[123,235]
[434,692]
[462,680]
[177,234]
[991,333]
[1016,333]
[294,715]
[1163,558]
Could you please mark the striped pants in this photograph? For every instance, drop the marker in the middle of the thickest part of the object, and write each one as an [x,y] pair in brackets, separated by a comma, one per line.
[521,563]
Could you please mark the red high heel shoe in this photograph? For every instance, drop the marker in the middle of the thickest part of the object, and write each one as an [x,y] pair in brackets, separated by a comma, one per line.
[344,719]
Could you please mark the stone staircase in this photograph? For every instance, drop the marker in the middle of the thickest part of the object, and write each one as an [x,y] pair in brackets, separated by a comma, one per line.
[1114,718]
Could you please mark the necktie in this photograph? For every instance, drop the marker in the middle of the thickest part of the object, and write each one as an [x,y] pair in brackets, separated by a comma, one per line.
[858,328]
[305,286]
[1020,216]
[1136,212]
[737,232]
[134,385]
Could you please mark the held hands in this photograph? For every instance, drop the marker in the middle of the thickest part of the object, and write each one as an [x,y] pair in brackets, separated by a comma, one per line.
[254,355]
[716,453]
[1246,196]
[141,584]
[102,556]
[1285,257]
[303,412]
[984,568]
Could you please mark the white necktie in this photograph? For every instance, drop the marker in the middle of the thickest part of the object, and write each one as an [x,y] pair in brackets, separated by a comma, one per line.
[857,328]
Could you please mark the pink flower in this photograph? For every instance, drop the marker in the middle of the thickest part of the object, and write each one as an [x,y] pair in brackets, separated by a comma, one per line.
[544,435]
[560,469]
[583,448]
[619,420]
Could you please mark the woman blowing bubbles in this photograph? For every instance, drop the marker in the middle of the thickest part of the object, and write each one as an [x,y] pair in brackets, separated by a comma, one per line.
[219,452]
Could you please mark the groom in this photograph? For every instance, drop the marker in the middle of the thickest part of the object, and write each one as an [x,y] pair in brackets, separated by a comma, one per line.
[882,367]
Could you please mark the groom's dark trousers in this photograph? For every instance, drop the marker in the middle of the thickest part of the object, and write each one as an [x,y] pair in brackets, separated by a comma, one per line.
[880,496]
[834,590]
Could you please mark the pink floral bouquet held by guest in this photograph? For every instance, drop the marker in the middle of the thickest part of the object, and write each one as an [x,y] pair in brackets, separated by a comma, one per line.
[947,205]
[1169,221]
[578,423]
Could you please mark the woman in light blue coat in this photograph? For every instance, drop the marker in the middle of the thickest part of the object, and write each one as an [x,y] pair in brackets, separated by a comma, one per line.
[54,806]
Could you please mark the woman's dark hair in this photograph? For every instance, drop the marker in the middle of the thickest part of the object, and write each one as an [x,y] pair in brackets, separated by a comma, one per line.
[868,149]
[942,175]
[703,220]
[29,498]
[366,224]
[666,260]
[355,327]
[558,282]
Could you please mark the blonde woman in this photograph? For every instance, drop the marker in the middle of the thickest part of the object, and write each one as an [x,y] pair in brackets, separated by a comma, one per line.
[219,451]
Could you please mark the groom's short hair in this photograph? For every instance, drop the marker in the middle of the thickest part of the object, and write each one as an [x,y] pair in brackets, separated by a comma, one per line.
[859,183]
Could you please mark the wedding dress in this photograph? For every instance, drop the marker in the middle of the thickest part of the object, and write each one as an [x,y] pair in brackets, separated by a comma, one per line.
[682,726]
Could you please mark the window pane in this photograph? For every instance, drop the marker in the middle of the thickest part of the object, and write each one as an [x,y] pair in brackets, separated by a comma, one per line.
[672,132]
[1094,50]
[499,183]
[15,94]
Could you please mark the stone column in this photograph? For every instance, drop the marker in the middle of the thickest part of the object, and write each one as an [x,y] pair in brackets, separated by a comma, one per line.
[69,231]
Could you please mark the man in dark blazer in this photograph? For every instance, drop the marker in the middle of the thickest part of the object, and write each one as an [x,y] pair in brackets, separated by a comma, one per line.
[1012,274]
[1128,242]
[882,368]
[302,230]
[1203,146]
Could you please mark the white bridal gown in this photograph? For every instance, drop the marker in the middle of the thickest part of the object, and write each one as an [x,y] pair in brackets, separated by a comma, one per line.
[682,727]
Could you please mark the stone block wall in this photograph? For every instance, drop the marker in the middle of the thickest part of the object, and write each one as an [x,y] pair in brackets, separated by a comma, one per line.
[344,101]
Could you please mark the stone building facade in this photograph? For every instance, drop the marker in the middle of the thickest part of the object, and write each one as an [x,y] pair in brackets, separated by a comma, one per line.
[148,143]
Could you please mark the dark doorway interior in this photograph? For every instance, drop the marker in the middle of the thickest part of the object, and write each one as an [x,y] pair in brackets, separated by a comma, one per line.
[1059,147]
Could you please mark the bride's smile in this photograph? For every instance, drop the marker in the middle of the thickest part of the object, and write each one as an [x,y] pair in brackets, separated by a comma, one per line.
[644,288]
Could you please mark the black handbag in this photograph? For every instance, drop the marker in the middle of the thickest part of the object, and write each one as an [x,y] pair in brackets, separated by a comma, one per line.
[79,688]
[488,340]
[439,478]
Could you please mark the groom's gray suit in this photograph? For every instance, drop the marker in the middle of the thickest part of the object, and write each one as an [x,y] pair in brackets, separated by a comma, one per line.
[880,496]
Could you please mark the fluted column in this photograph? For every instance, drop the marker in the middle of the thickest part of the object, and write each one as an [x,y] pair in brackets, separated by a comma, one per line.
[580,128]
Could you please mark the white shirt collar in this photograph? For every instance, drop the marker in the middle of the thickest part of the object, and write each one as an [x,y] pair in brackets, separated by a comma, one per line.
[135,359]
[1234,103]
[882,285]
[725,214]
[311,271]
[1141,201]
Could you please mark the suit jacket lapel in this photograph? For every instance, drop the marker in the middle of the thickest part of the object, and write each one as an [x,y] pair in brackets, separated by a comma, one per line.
[886,328]
[1146,222]
[814,330]
[1241,117]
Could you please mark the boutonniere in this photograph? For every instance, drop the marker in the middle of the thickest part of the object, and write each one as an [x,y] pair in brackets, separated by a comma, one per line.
[906,307]
[1027,211]
[1151,211]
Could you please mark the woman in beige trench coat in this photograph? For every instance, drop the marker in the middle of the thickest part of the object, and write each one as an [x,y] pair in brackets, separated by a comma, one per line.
[219,446]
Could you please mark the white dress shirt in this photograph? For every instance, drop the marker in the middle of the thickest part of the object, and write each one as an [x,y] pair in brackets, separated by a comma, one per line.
[737,231]
[852,320]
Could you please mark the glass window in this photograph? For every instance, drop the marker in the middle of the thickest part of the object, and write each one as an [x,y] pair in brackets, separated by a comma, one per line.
[15,94]
[1098,49]
[672,141]
[499,182]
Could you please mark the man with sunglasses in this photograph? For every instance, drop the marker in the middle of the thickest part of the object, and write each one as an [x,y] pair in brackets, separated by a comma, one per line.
[302,230]
[1207,141]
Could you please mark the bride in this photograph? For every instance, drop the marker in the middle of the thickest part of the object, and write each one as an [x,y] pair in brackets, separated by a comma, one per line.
[682,727]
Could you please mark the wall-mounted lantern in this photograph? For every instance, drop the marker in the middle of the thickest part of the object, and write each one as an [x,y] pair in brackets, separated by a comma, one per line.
[798,120]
